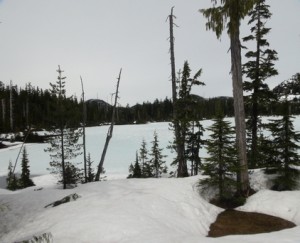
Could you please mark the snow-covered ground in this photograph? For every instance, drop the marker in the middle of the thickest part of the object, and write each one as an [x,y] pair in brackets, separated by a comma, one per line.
[136,210]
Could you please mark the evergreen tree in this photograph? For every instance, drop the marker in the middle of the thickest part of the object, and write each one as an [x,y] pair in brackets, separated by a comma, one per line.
[146,170]
[131,168]
[222,163]
[157,163]
[259,68]
[73,174]
[65,149]
[135,170]
[64,144]
[11,180]
[25,180]
[285,146]
[90,170]
[229,15]
[185,106]
[194,144]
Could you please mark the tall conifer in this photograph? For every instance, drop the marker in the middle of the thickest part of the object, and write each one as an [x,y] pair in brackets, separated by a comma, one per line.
[258,68]
[222,164]
[25,180]
[285,146]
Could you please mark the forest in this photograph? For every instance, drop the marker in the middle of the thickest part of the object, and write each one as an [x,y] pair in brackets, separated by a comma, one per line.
[24,107]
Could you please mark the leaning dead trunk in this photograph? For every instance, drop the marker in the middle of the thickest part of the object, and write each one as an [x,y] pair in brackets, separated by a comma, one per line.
[110,131]
[239,111]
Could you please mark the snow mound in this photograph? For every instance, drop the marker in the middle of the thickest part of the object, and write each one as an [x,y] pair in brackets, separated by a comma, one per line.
[285,204]
[133,211]
[149,210]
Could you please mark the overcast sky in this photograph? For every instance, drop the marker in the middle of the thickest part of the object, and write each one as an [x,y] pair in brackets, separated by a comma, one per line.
[95,38]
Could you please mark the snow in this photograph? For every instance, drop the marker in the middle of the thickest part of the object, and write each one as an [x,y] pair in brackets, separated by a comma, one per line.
[136,210]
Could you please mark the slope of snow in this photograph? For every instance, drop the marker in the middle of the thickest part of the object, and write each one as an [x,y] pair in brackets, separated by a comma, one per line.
[136,210]
[147,210]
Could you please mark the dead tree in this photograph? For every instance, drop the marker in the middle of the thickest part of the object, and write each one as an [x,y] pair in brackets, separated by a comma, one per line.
[11,106]
[179,145]
[83,131]
[110,131]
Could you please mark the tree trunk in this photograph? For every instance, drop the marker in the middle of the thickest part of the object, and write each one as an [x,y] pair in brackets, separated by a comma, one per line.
[237,81]
[83,131]
[255,110]
[110,131]
[11,107]
[182,166]
[3,112]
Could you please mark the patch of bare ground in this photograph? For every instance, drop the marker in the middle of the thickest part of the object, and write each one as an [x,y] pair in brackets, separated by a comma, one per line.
[232,222]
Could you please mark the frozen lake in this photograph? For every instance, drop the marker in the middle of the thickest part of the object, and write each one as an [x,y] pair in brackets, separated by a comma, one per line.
[125,142]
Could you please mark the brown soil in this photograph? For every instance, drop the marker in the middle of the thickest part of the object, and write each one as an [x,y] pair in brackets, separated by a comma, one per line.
[232,222]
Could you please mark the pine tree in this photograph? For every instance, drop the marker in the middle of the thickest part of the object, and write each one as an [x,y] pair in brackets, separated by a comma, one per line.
[65,149]
[135,170]
[90,170]
[285,146]
[130,169]
[194,144]
[11,180]
[64,144]
[144,159]
[229,15]
[222,163]
[25,180]
[258,69]
[156,162]
[185,106]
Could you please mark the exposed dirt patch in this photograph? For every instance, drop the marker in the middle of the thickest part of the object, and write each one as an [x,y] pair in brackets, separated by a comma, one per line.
[232,222]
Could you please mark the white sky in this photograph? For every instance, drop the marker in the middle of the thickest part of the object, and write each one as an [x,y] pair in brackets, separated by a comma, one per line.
[95,38]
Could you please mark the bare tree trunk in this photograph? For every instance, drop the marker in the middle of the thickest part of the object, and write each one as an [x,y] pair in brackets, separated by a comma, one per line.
[182,166]
[253,162]
[83,131]
[3,111]
[237,81]
[110,131]
[11,107]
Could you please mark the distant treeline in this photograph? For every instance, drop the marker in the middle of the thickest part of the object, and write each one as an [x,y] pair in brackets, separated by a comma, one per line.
[33,107]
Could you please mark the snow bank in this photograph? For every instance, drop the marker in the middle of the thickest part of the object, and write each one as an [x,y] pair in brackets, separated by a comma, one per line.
[149,210]
[135,210]
[285,204]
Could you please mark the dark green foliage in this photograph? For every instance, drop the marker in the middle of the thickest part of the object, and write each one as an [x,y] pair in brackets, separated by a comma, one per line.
[258,69]
[90,170]
[25,180]
[285,147]
[64,144]
[144,160]
[135,170]
[148,164]
[71,149]
[157,163]
[73,174]
[221,166]
[187,115]
[11,180]
[193,145]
